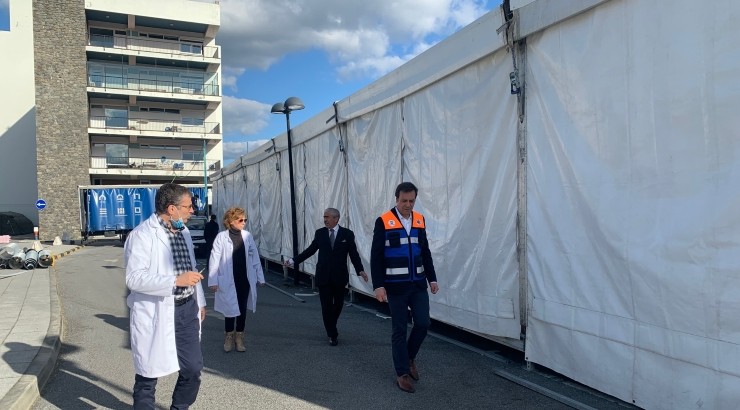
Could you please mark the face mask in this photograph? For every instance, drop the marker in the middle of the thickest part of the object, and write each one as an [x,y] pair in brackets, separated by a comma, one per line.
[177,224]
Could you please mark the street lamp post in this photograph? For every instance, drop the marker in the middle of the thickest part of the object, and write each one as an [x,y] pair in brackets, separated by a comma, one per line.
[290,105]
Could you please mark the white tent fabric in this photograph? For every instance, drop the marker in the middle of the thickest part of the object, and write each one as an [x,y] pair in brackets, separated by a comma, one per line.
[272,224]
[374,169]
[460,149]
[254,215]
[629,158]
[632,225]
[324,180]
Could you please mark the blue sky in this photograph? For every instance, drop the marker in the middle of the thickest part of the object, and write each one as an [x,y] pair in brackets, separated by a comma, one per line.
[4,18]
[319,50]
[331,49]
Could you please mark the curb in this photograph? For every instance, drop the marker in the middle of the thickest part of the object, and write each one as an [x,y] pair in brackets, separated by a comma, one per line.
[28,388]
[65,253]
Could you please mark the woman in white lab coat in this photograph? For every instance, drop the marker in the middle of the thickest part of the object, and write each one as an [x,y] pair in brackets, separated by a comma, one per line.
[234,273]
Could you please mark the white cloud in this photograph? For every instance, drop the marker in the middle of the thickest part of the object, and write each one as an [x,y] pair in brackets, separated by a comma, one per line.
[244,116]
[361,37]
[230,75]
[235,149]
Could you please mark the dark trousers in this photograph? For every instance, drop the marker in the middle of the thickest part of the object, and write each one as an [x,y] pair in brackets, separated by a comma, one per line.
[332,301]
[416,299]
[189,357]
[242,295]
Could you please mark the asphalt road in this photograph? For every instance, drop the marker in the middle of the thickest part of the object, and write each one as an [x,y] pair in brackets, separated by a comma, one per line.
[288,363]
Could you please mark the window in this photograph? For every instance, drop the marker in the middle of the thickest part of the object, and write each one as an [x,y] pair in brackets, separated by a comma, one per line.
[158,109]
[101,37]
[167,147]
[191,47]
[192,121]
[116,118]
[192,155]
[116,154]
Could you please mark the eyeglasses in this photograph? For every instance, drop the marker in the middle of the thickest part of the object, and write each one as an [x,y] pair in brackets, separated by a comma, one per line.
[189,206]
[241,220]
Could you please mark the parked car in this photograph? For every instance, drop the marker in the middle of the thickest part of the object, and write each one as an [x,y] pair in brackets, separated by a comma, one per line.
[196,225]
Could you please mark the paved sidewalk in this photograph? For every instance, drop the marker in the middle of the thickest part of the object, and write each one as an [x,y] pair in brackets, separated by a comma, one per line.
[30,329]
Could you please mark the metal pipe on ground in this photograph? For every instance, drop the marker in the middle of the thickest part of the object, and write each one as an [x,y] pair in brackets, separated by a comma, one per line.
[45,259]
[8,251]
[16,262]
[32,258]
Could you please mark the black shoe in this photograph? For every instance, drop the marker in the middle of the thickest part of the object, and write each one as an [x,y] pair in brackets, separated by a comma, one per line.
[333,341]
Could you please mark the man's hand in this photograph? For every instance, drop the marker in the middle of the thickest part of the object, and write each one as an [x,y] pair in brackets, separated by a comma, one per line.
[364,275]
[190,278]
[213,288]
[381,295]
[260,283]
[203,313]
[288,263]
[434,287]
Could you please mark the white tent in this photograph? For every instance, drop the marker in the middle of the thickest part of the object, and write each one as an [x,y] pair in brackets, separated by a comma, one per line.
[587,220]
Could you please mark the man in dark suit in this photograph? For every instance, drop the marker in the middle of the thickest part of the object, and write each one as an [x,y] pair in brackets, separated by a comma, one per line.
[210,231]
[334,243]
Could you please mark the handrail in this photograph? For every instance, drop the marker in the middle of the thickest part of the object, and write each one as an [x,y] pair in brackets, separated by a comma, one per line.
[130,82]
[148,124]
[108,162]
[172,47]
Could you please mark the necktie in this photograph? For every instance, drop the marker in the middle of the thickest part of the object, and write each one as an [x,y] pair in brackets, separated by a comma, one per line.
[331,237]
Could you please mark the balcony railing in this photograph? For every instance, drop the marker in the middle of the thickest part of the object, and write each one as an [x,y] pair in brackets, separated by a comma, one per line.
[140,84]
[156,164]
[155,125]
[170,47]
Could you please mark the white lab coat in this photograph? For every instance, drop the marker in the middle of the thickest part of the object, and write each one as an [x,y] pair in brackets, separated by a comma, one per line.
[221,273]
[150,276]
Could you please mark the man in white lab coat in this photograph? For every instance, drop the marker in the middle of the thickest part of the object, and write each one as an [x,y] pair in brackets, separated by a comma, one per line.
[166,300]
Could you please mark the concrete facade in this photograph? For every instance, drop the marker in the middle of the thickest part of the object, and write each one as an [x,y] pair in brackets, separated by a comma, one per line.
[139,106]
[18,189]
[62,147]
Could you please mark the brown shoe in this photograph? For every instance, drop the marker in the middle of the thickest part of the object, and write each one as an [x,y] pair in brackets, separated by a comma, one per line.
[413,371]
[229,342]
[404,383]
[239,341]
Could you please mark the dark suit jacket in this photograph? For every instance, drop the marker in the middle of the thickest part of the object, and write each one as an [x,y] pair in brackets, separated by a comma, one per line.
[210,231]
[331,268]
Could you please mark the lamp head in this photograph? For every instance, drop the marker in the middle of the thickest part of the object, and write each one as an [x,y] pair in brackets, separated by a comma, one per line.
[278,108]
[293,104]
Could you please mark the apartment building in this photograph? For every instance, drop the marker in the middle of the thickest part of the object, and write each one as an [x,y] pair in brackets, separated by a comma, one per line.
[106,92]
[154,91]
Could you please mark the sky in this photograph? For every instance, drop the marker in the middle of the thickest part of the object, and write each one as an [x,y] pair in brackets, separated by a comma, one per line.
[318,50]
[4,17]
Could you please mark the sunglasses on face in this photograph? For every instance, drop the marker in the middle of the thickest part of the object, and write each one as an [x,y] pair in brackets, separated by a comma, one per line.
[241,220]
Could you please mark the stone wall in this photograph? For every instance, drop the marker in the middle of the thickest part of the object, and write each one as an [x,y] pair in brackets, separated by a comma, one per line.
[62,146]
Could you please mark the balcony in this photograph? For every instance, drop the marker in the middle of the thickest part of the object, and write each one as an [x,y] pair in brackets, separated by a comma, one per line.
[156,127]
[167,85]
[143,46]
[150,164]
